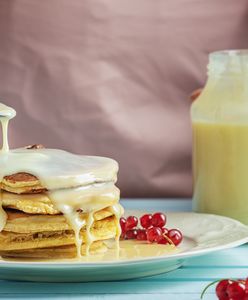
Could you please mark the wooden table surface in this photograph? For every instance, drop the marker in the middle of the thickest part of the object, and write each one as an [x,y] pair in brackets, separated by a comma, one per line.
[185,283]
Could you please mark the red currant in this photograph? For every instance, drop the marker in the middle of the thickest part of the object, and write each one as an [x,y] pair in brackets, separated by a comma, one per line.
[141,235]
[158,220]
[132,222]
[153,233]
[221,289]
[123,224]
[236,290]
[175,236]
[154,230]
[246,285]
[162,240]
[131,234]
[146,221]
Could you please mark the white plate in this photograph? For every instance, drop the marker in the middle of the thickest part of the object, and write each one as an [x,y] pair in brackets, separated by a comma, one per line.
[202,234]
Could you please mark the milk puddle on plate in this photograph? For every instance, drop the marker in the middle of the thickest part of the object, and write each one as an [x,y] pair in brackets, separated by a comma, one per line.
[128,250]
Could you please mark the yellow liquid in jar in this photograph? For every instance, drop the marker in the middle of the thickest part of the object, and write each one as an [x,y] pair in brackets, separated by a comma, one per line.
[220,162]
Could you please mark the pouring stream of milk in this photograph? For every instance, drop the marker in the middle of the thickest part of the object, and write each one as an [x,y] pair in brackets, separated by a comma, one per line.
[6,113]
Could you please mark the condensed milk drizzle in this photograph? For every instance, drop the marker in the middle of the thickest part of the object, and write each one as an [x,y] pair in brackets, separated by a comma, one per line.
[74,183]
[89,237]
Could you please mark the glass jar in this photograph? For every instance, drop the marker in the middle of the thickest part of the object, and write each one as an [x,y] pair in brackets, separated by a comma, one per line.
[220,137]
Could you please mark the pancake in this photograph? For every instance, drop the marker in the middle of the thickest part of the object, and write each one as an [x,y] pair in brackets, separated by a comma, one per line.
[100,230]
[23,182]
[34,203]
[29,203]
[29,231]
[20,183]
[19,222]
[33,222]
[30,170]
[54,252]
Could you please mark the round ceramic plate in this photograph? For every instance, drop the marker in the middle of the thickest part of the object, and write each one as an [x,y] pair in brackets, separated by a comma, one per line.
[202,234]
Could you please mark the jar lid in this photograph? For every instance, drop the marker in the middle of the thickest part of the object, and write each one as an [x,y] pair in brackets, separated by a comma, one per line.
[228,61]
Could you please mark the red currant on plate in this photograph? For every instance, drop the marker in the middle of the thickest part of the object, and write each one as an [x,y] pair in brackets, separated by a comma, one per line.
[162,240]
[175,236]
[146,221]
[158,220]
[131,234]
[141,235]
[153,229]
[132,222]
[153,233]
[123,224]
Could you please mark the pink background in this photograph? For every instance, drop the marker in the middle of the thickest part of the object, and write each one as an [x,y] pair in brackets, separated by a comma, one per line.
[112,78]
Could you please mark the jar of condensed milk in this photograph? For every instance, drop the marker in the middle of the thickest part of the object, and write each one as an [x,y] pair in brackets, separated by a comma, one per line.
[220,137]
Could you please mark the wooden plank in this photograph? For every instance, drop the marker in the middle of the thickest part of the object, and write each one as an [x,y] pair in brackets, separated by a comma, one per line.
[196,274]
[100,288]
[180,296]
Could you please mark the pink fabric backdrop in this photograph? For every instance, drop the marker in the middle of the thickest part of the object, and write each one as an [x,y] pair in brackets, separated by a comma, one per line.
[112,77]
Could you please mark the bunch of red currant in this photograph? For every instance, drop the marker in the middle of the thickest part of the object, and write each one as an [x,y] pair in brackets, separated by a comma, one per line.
[228,289]
[153,229]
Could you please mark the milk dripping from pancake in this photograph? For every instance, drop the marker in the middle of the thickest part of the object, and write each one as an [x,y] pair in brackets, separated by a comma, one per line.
[73,182]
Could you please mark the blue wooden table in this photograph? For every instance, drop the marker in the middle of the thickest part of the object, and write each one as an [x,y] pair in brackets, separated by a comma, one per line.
[185,283]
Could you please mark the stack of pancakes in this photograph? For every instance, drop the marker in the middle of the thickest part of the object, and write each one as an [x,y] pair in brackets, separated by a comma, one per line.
[35,228]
